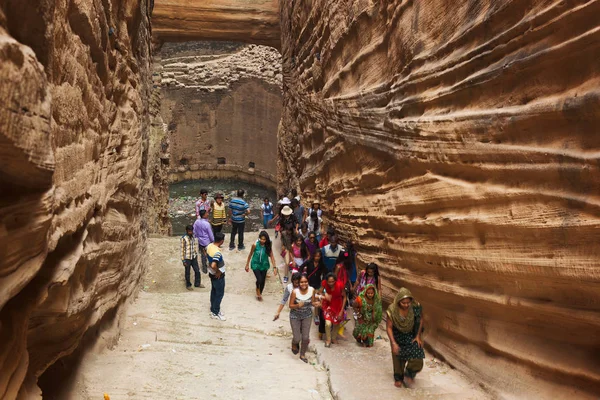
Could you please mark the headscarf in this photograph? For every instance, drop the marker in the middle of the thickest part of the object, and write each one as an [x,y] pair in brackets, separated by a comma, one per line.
[403,324]
[377,307]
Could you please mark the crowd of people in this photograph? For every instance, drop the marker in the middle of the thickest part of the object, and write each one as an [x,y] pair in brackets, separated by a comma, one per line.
[322,283]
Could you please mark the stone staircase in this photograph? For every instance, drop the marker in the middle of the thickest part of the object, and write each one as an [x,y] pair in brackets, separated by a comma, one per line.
[171,348]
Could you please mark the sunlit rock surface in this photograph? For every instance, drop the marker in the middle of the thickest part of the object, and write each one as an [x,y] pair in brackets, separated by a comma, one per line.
[458,143]
[74,175]
[255,21]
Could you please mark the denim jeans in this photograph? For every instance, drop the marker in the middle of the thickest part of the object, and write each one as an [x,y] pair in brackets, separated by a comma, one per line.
[217,292]
[266,219]
[193,263]
[237,228]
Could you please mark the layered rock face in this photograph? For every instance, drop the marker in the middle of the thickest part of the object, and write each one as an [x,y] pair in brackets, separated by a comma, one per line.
[74,177]
[221,103]
[254,21]
[157,182]
[457,143]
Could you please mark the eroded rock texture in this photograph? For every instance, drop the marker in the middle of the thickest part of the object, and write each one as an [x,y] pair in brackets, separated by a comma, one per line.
[457,143]
[255,21]
[221,103]
[74,175]
[158,160]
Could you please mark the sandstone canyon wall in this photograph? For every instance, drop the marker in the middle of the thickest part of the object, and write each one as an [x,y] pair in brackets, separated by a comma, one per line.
[75,175]
[457,142]
[255,21]
[221,103]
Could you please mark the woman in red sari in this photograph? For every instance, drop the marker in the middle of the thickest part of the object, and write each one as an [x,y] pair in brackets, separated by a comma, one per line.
[333,303]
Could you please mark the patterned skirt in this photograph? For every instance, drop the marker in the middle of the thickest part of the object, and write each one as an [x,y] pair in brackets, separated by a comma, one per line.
[365,333]
[408,349]
[333,316]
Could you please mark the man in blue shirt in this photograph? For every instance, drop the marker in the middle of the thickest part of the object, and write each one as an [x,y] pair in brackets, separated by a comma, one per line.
[331,253]
[238,209]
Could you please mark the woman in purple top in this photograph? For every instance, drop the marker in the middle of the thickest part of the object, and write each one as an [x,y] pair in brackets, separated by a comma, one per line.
[312,244]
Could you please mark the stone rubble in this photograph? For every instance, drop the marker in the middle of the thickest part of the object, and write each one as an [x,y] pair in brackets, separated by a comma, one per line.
[217,73]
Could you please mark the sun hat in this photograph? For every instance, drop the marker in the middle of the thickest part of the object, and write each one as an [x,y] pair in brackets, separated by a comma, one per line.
[285,200]
[286,210]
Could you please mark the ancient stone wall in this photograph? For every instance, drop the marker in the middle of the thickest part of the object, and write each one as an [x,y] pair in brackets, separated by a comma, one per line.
[221,103]
[74,175]
[457,143]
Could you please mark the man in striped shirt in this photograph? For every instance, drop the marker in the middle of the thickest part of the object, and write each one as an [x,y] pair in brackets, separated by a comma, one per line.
[238,209]
[218,213]
[189,257]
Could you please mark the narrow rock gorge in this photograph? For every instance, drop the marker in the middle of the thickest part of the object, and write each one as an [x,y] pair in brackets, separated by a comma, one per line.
[457,143]
[76,176]
[221,103]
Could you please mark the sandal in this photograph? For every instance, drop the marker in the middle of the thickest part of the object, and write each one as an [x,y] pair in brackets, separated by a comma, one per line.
[398,384]
[327,344]
[304,359]
[295,348]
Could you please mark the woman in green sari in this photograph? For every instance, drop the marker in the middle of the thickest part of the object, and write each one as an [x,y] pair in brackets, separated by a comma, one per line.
[368,312]
[404,327]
